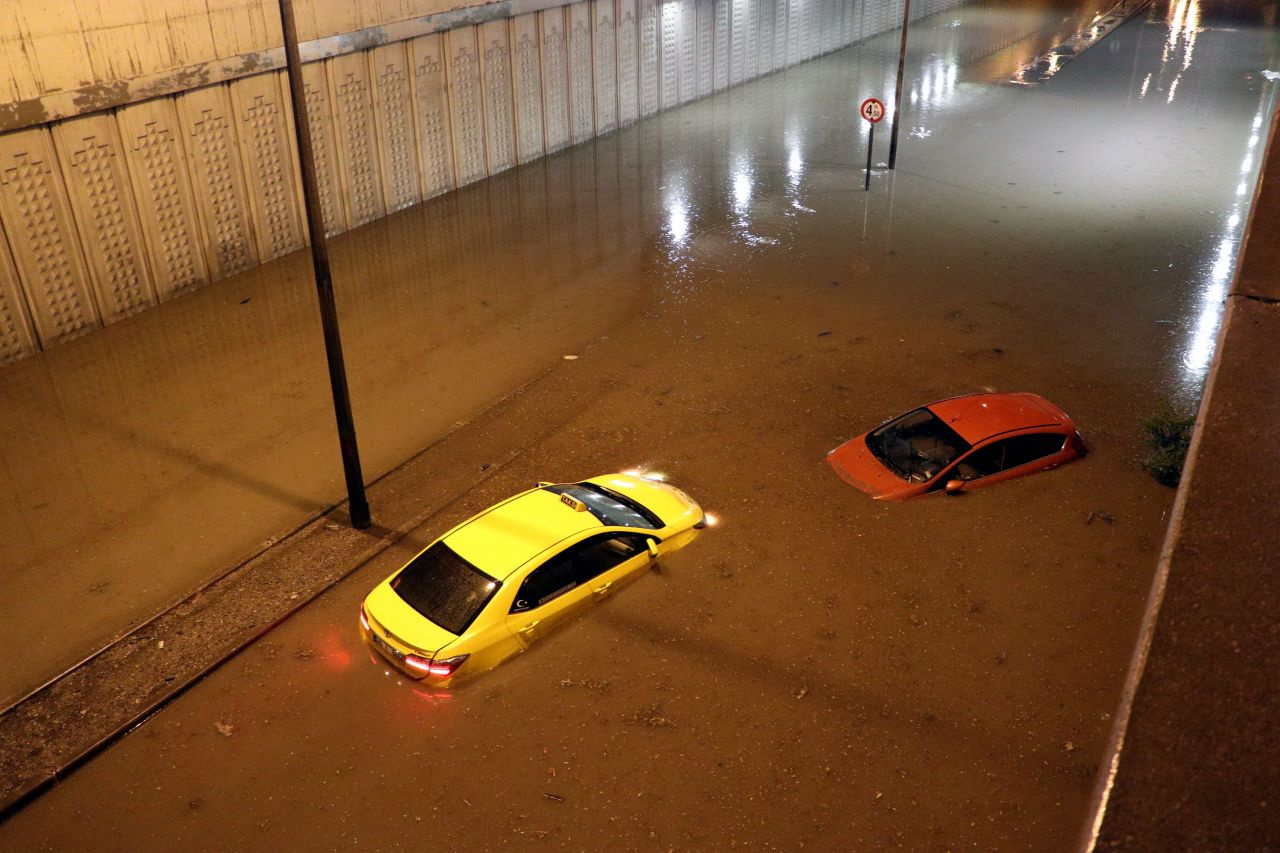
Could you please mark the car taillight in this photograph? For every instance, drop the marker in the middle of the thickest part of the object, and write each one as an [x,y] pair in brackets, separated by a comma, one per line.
[364,620]
[436,668]
[418,664]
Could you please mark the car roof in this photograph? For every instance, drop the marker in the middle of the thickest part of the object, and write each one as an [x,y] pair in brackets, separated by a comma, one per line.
[977,417]
[505,537]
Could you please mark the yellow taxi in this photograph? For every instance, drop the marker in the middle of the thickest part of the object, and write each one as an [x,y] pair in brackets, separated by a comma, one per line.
[510,575]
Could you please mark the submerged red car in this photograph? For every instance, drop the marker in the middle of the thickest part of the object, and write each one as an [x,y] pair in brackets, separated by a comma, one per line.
[958,444]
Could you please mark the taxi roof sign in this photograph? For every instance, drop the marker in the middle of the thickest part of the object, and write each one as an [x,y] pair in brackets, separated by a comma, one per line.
[573,503]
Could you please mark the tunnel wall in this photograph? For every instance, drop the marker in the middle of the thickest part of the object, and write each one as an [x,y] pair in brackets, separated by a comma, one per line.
[109,212]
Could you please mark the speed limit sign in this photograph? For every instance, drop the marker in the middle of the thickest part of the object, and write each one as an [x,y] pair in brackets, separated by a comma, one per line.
[872,110]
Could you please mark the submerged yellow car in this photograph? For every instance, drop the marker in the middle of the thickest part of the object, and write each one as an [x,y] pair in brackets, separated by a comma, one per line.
[503,579]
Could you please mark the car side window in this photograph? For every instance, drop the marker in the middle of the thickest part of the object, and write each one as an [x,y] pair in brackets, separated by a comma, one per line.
[1028,448]
[549,581]
[980,463]
[602,553]
[1009,453]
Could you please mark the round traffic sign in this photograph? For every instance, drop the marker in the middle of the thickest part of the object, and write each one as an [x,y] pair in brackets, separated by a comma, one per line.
[872,110]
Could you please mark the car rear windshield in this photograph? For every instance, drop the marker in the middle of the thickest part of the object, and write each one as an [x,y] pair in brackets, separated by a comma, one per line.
[610,507]
[917,445]
[444,587]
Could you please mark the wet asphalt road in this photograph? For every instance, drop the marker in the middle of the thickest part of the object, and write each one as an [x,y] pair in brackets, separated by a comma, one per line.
[820,670]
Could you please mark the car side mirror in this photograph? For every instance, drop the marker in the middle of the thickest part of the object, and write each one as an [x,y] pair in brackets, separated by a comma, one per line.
[653,547]
[955,487]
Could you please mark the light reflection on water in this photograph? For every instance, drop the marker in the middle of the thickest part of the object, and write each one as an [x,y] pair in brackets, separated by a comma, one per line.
[678,216]
[1202,340]
[1179,49]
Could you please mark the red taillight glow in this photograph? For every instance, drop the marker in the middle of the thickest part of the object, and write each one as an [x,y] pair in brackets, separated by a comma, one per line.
[418,664]
[436,668]
[364,620]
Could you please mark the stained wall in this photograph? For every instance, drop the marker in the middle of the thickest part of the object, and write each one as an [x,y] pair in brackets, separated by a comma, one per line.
[125,199]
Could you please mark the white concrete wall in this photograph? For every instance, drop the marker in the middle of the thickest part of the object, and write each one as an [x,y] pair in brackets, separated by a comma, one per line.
[106,214]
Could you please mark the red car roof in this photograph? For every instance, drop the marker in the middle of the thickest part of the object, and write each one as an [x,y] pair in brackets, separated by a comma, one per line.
[980,416]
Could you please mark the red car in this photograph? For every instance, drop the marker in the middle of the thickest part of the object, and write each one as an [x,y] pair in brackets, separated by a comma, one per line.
[958,444]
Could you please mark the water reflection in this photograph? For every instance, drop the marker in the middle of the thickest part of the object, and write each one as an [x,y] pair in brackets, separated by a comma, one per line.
[740,174]
[1183,20]
[678,217]
[1204,331]
[795,165]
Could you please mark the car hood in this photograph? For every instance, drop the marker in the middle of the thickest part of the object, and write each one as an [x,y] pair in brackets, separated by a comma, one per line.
[858,467]
[406,625]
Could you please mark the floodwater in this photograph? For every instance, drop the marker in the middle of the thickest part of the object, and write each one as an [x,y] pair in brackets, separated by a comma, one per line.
[820,670]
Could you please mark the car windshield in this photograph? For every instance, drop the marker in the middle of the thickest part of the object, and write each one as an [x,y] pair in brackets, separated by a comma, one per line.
[610,507]
[444,587]
[917,445]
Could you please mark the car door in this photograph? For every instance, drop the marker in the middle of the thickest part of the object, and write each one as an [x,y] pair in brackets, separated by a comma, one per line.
[609,561]
[548,597]
[1003,459]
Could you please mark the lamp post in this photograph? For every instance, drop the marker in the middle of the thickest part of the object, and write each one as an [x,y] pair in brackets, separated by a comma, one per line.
[357,503]
[897,98]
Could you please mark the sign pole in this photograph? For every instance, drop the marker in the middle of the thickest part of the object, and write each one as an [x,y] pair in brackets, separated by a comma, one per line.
[871,141]
[872,109]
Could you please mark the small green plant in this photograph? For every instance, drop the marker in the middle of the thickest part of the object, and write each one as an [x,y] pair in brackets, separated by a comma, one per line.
[1168,432]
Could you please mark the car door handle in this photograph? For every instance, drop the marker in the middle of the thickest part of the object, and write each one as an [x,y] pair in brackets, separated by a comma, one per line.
[527,630]
[602,590]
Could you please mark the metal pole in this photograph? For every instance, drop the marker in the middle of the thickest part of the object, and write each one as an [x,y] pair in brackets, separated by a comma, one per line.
[357,504]
[871,139]
[897,98]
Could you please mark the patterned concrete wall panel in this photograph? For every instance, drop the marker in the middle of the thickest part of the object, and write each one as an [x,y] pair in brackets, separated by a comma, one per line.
[764,50]
[102,206]
[582,109]
[650,47]
[781,10]
[394,124]
[850,19]
[720,50]
[793,30]
[266,149]
[315,86]
[555,78]
[669,57]
[628,79]
[353,124]
[688,50]
[737,39]
[822,36]
[37,221]
[528,87]
[162,190]
[431,113]
[751,47]
[210,143]
[465,105]
[495,76]
[808,28]
[17,336]
[605,65]
[705,46]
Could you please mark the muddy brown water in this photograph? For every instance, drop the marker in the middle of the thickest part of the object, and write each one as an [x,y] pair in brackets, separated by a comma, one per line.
[820,670]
